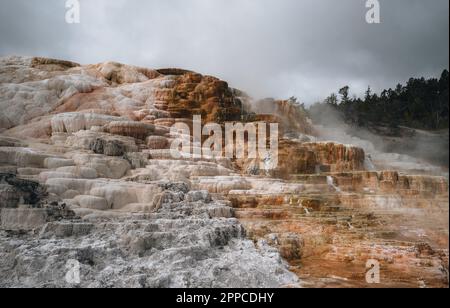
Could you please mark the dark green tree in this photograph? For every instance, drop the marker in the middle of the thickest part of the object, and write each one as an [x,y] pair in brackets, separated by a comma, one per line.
[344,92]
[421,103]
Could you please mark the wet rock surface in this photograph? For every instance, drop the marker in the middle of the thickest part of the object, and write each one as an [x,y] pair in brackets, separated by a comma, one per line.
[352,218]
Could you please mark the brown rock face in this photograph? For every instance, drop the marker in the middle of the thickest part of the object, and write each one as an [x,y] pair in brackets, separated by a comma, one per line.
[294,157]
[389,182]
[290,245]
[194,94]
[338,157]
[308,158]
[345,219]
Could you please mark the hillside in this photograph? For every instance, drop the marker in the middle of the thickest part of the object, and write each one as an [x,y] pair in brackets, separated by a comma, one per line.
[87,177]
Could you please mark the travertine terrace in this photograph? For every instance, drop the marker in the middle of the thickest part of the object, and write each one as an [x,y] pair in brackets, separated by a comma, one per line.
[86,174]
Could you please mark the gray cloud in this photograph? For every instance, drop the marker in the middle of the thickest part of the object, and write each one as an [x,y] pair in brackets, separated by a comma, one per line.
[279,48]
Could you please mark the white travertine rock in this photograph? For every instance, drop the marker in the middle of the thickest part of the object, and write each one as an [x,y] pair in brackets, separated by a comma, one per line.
[23,102]
[59,139]
[190,168]
[117,193]
[68,194]
[19,69]
[11,142]
[59,186]
[85,139]
[92,202]
[54,163]
[274,186]
[71,172]
[22,157]
[119,73]
[75,121]
[117,196]
[222,184]
[149,174]
[44,176]
[56,188]
[80,172]
[106,167]
[178,170]
[30,171]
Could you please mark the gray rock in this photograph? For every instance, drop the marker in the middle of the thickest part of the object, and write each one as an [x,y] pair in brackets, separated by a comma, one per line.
[136,159]
[107,147]
[9,196]
[66,229]
[28,219]
[202,195]
[22,219]
[11,142]
[28,192]
[180,245]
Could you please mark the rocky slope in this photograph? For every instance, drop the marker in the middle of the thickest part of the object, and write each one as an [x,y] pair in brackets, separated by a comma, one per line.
[86,174]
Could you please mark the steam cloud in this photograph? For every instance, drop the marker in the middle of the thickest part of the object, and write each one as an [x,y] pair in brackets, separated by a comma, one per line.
[414,150]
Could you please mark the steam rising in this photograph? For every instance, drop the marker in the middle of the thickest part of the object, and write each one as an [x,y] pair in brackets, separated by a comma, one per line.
[415,153]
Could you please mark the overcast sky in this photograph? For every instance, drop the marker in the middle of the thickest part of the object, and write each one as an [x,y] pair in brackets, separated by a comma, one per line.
[277,48]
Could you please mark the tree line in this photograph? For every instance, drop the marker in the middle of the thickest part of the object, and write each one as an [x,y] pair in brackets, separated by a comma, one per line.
[421,103]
